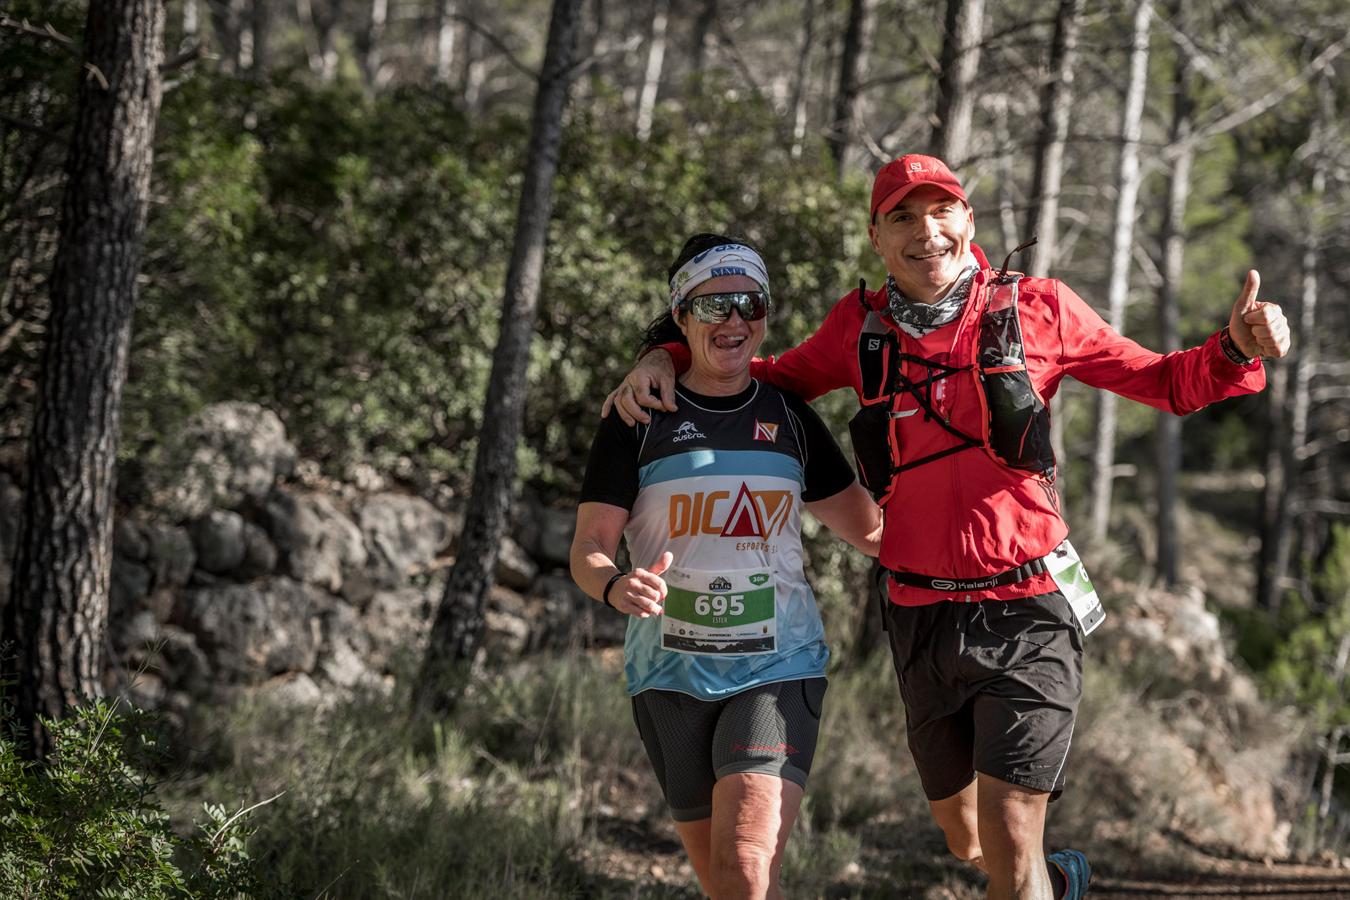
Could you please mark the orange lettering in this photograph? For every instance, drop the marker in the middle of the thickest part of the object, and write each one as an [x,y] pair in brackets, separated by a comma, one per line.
[680,520]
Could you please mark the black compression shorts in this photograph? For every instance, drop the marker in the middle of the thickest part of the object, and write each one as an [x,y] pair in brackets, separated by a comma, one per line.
[770,729]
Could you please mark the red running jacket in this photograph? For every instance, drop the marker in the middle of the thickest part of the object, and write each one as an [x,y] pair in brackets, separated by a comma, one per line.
[966,515]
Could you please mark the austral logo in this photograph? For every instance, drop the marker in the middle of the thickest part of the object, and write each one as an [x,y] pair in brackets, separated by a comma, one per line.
[751,514]
[687,432]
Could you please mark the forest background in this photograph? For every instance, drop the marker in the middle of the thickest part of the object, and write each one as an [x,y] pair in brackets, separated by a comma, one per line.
[333,207]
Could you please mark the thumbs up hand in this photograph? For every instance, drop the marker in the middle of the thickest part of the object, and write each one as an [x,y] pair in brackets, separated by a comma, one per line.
[1258,328]
[642,592]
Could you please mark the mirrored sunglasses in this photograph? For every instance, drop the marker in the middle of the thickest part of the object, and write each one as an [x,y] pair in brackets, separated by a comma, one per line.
[714,308]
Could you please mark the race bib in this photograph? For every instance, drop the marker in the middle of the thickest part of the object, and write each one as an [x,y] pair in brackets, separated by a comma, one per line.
[1072,579]
[720,612]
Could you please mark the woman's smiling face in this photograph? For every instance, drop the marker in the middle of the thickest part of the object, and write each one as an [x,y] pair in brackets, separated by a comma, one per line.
[721,352]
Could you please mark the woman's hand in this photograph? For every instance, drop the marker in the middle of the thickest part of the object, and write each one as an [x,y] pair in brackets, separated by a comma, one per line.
[642,592]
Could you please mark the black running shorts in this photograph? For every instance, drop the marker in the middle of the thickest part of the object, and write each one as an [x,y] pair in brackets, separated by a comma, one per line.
[988,687]
[770,729]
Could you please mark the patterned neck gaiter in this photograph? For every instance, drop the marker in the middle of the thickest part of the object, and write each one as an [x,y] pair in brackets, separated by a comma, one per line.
[919,319]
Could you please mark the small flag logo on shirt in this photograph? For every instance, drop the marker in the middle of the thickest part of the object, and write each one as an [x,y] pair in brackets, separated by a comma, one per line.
[766,431]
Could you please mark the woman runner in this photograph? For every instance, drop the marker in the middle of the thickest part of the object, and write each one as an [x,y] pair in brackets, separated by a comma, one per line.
[725,654]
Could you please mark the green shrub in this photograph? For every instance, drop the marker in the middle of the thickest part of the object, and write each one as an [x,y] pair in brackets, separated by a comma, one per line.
[377,805]
[85,822]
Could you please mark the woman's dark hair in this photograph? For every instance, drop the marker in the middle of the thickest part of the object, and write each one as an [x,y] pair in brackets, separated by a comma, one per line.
[664,329]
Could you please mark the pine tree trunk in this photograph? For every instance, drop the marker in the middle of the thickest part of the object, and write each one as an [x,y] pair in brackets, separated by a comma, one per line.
[1122,247]
[1168,433]
[372,57]
[475,70]
[799,82]
[1287,492]
[458,627]
[698,45]
[317,31]
[651,80]
[1048,172]
[227,23]
[956,96]
[1274,499]
[444,31]
[852,61]
[260,25]
[57,614]
[1003,140]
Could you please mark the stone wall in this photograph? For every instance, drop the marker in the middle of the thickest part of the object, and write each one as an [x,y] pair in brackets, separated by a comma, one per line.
[242,572]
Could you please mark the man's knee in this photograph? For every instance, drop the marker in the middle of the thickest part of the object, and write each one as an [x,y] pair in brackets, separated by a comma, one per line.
[957,817]
[965,847]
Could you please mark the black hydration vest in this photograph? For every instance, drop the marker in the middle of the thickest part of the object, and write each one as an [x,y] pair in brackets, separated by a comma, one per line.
[1016,421]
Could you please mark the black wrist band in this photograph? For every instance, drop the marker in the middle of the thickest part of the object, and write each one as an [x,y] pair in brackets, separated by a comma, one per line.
[609,584]
[1230,349]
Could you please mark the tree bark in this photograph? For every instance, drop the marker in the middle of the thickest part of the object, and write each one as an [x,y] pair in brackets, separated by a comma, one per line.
[57,614]
[1173,240]
[651,79]
[799,82]
[372,57]
[1287,490]
[698,45]
[457,630]
[260,26]
[852,61]
[317,30]
[1048,171]
[1122,247]
[475,70]
[227,23]
[1274,509]
[960,61]
[445,39]
[1003,139]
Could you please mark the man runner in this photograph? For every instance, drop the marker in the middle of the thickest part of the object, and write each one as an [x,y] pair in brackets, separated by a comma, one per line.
[954,364]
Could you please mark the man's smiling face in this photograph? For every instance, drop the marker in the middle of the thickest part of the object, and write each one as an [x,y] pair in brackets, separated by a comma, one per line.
[924,241]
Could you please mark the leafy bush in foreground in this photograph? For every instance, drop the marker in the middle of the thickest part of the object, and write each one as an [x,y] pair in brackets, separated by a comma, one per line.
[84,823]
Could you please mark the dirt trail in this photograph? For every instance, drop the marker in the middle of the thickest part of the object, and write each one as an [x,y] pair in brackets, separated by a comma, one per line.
[636,853]
[1233,878]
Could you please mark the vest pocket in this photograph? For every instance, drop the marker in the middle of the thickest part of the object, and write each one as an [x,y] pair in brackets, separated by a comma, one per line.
[1019,432]
[869,430]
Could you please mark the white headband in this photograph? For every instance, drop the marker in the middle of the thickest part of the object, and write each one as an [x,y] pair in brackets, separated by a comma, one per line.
[724,259]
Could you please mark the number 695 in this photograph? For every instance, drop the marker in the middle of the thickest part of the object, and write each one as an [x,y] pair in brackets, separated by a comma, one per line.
[719,604]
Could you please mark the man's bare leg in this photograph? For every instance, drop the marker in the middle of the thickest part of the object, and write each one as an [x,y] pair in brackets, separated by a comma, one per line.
[1011,836]
[957,816]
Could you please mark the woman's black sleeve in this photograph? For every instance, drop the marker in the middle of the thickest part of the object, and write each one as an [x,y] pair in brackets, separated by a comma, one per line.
[827,471]
[611,469]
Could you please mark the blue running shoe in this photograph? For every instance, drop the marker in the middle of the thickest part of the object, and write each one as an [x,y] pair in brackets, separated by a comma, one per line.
[1077,873]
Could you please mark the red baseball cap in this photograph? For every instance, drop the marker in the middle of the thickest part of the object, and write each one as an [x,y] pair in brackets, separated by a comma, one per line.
[900,176]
